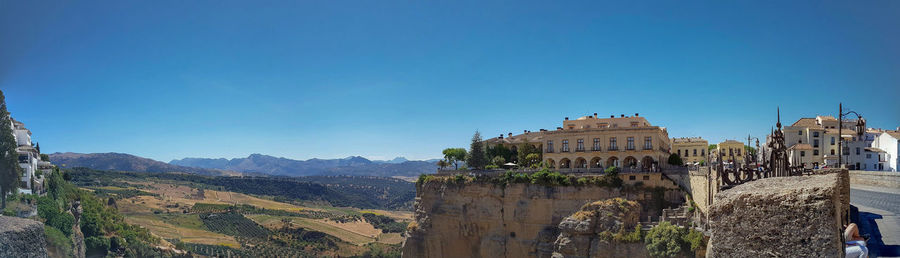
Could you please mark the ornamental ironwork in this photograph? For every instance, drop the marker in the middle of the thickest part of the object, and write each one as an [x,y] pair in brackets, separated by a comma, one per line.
[775,164]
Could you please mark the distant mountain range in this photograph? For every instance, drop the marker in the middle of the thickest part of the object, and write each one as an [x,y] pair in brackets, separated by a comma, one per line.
[353,165]
[125,162]
[253,164]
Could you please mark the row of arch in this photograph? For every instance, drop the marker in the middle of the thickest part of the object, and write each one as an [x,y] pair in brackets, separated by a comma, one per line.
[597,162]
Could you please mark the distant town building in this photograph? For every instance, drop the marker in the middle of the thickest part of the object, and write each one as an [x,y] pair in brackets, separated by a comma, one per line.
[813,143]
[731,151]
[29,160]
[593,143]
[887,144]
[691,149]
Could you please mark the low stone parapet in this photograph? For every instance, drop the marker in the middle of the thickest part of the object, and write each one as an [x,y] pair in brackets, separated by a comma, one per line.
[875,178]
[798,216]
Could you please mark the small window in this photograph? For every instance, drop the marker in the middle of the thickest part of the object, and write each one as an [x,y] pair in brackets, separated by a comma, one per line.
[631,178]
[802,154]
[815,134]
[646,178]
[815,152]
[800,132]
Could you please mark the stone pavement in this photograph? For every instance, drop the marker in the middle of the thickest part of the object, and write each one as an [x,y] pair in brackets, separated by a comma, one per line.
[879,215]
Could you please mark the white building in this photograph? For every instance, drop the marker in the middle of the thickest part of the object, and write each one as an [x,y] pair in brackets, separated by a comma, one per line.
[889,143]
[29,160]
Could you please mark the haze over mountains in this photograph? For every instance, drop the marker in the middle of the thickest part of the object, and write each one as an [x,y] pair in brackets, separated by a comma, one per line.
[253,164]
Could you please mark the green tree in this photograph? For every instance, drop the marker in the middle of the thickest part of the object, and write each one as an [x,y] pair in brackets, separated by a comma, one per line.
[443,164]
[455,155]
[527,149]
[531,160]
[674,159]
[10,172]
[665,240]
[711,147]
[476,158]
[498,161]
[502,151]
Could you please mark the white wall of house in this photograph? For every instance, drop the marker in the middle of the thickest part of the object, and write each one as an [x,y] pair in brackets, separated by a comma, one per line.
[890,146]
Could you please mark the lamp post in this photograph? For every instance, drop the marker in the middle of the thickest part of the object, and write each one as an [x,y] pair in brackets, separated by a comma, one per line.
[860,130]
[755,159]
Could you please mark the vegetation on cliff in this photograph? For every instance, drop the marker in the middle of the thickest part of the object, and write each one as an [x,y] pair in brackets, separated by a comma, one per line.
[543,177]
[104,229]
[668,240]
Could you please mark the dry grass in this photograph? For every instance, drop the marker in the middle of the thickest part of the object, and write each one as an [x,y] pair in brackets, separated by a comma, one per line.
[188,235]
[317,225]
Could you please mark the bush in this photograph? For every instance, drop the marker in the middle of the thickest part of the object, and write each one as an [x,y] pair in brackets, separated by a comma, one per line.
[674,159]
[96,245]
[694,239]
[628,237]
[57,242]
[665,240]
[489,167]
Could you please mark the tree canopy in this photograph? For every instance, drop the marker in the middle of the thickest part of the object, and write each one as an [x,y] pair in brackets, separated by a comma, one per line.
[455,155]
[476,158]
[674,159]
[10,172]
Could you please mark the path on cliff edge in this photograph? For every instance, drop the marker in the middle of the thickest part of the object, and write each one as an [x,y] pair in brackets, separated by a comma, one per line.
[879,213]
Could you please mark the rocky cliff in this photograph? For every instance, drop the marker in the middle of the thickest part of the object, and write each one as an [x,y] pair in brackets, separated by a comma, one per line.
[592,231]
[516,220]
[798,216]
[21,238]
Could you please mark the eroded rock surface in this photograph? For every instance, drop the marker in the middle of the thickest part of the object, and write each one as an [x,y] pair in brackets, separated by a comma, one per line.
[588,232]
[486,220]
[21,238]
[780,217]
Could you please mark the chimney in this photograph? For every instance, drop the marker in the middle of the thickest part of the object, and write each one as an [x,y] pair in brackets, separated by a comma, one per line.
[595,115]
[612,116]
[636,115]
[623,115]
[559,128]
[501,136]
[567,118]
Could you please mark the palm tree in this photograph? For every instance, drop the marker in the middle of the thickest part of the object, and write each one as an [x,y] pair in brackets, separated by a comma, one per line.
[442,164]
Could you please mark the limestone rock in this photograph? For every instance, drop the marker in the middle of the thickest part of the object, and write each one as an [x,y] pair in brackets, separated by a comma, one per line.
[516,220]
[588,232]
[780,217]
[21,238]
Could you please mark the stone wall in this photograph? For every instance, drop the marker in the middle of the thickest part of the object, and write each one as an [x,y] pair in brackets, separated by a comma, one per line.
[875,178]
[21,238]
[798,216]
[486,220]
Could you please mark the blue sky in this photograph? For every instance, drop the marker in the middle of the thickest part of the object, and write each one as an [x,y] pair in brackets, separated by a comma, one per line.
[328,79]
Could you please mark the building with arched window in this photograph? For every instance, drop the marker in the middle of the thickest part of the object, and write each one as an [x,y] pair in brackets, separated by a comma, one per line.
[591,143]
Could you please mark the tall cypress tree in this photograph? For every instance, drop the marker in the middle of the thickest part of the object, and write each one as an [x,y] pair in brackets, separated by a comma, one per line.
[476,158]
[10,172]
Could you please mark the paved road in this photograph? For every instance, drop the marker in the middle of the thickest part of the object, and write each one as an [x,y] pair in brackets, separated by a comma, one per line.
[879,215]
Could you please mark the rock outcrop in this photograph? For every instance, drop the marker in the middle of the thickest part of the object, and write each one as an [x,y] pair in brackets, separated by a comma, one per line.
[797,216]
[589,232]
[21,238]
[516,220]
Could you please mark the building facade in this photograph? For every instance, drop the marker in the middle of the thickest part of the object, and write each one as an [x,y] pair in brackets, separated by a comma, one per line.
[590,143]
[29,156]
[888,142]
[691,150]
[731,151]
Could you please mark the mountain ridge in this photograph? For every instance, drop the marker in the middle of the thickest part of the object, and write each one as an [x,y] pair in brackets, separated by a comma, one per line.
[256,163]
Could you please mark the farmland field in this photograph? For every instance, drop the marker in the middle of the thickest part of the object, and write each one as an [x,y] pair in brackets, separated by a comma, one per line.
[214,222]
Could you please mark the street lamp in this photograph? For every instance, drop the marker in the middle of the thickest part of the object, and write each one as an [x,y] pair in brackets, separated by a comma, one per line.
[860,130]
[755,159]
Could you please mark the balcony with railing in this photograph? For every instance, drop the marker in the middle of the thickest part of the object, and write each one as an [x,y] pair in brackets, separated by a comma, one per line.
[613,148]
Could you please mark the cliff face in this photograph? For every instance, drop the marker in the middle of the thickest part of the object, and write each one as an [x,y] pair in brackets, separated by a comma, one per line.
[21,238]
[517,220]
